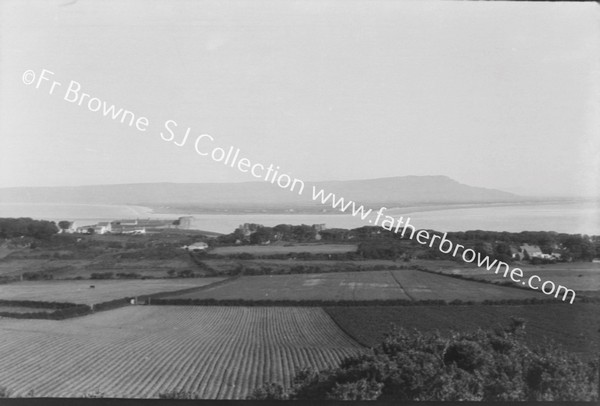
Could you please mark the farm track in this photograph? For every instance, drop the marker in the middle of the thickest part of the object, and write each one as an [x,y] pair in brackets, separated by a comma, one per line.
[140,351]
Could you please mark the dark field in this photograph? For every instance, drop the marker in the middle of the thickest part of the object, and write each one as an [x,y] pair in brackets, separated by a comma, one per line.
[575,327]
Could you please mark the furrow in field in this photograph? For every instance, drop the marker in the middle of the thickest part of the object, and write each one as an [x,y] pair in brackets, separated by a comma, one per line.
[46,368]
[206,388]
[158,368]
[217,352]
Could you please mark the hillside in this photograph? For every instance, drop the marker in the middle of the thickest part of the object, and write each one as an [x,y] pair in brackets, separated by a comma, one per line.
[396,190]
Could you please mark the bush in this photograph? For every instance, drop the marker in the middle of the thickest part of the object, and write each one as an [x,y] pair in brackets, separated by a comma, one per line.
[112,304]
[94,394]
[37,304]
[270,391]
[178,395]
[37,276]
[62,310]
[128,275]
[102,275]
[478,366]
[4,392]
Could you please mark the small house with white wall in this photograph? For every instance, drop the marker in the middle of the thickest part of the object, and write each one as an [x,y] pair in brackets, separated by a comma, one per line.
[197,246]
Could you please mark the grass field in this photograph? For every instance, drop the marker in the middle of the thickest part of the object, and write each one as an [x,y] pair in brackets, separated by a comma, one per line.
[70,255]
[19,309]
[371,285]
[579,276]
[104,290]
[72,268]
[139,351]
[285,249]
[327,286]
[426,286]
[576,327]
[286,266]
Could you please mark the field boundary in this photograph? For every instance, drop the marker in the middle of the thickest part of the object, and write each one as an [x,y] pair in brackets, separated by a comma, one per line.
[342,303]
[66,310]
[506,284]
[148,298]
[343,329]
[393,275]
[62,310]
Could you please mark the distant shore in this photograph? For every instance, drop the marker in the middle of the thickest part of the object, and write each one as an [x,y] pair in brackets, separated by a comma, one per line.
[576,216]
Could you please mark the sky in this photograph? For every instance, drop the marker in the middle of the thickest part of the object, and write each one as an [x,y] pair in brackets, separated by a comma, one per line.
[493,94]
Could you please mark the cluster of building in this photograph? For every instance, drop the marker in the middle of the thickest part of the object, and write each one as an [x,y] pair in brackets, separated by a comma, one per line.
[535,251]
[136,226]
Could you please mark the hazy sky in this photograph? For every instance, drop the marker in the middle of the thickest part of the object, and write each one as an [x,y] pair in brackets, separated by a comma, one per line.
[502,95]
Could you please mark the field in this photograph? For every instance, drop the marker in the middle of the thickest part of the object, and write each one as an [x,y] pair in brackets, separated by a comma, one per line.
[579,276]
[289,266]
[140,351]
[75,255]
[328,286]
[83,268]
[372,285]
[428,286]
[285,249]
[104,290]
[19,309]
[576,327]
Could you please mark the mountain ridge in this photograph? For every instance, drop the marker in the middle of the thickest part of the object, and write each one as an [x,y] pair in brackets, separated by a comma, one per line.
[410,189]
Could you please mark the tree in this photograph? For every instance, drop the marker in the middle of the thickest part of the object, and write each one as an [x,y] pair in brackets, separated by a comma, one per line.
[579,248]
[64,225]
[260,236]
[178,395]
[502,252]
[493,365]
[26,227]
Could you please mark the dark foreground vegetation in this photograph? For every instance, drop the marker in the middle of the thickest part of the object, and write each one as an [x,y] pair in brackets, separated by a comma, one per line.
[575,327]
[491,365]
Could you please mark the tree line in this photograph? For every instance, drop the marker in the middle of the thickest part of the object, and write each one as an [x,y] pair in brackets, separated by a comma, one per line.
[27,227]
[378,243]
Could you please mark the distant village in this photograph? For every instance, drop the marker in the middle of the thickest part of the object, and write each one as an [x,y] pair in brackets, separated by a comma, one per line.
[130,226]
[245,231]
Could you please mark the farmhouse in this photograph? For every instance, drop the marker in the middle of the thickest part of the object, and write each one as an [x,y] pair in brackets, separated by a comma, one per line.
[551,257]
[197,246]
[85,229]
[103,227]
[131,230]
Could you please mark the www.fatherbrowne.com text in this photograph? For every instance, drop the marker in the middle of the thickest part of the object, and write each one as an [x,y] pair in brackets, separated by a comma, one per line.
[204,145]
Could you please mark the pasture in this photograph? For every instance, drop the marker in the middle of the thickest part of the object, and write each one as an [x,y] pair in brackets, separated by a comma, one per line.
[579,276]
[428,286]
[357,286]
[79,291]
[140,351]
[83,268]
[259,250]
[326,286]
[290,266]
[576,327]
[20,309]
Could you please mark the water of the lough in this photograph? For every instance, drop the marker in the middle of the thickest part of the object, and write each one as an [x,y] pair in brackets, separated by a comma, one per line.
[563,217]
